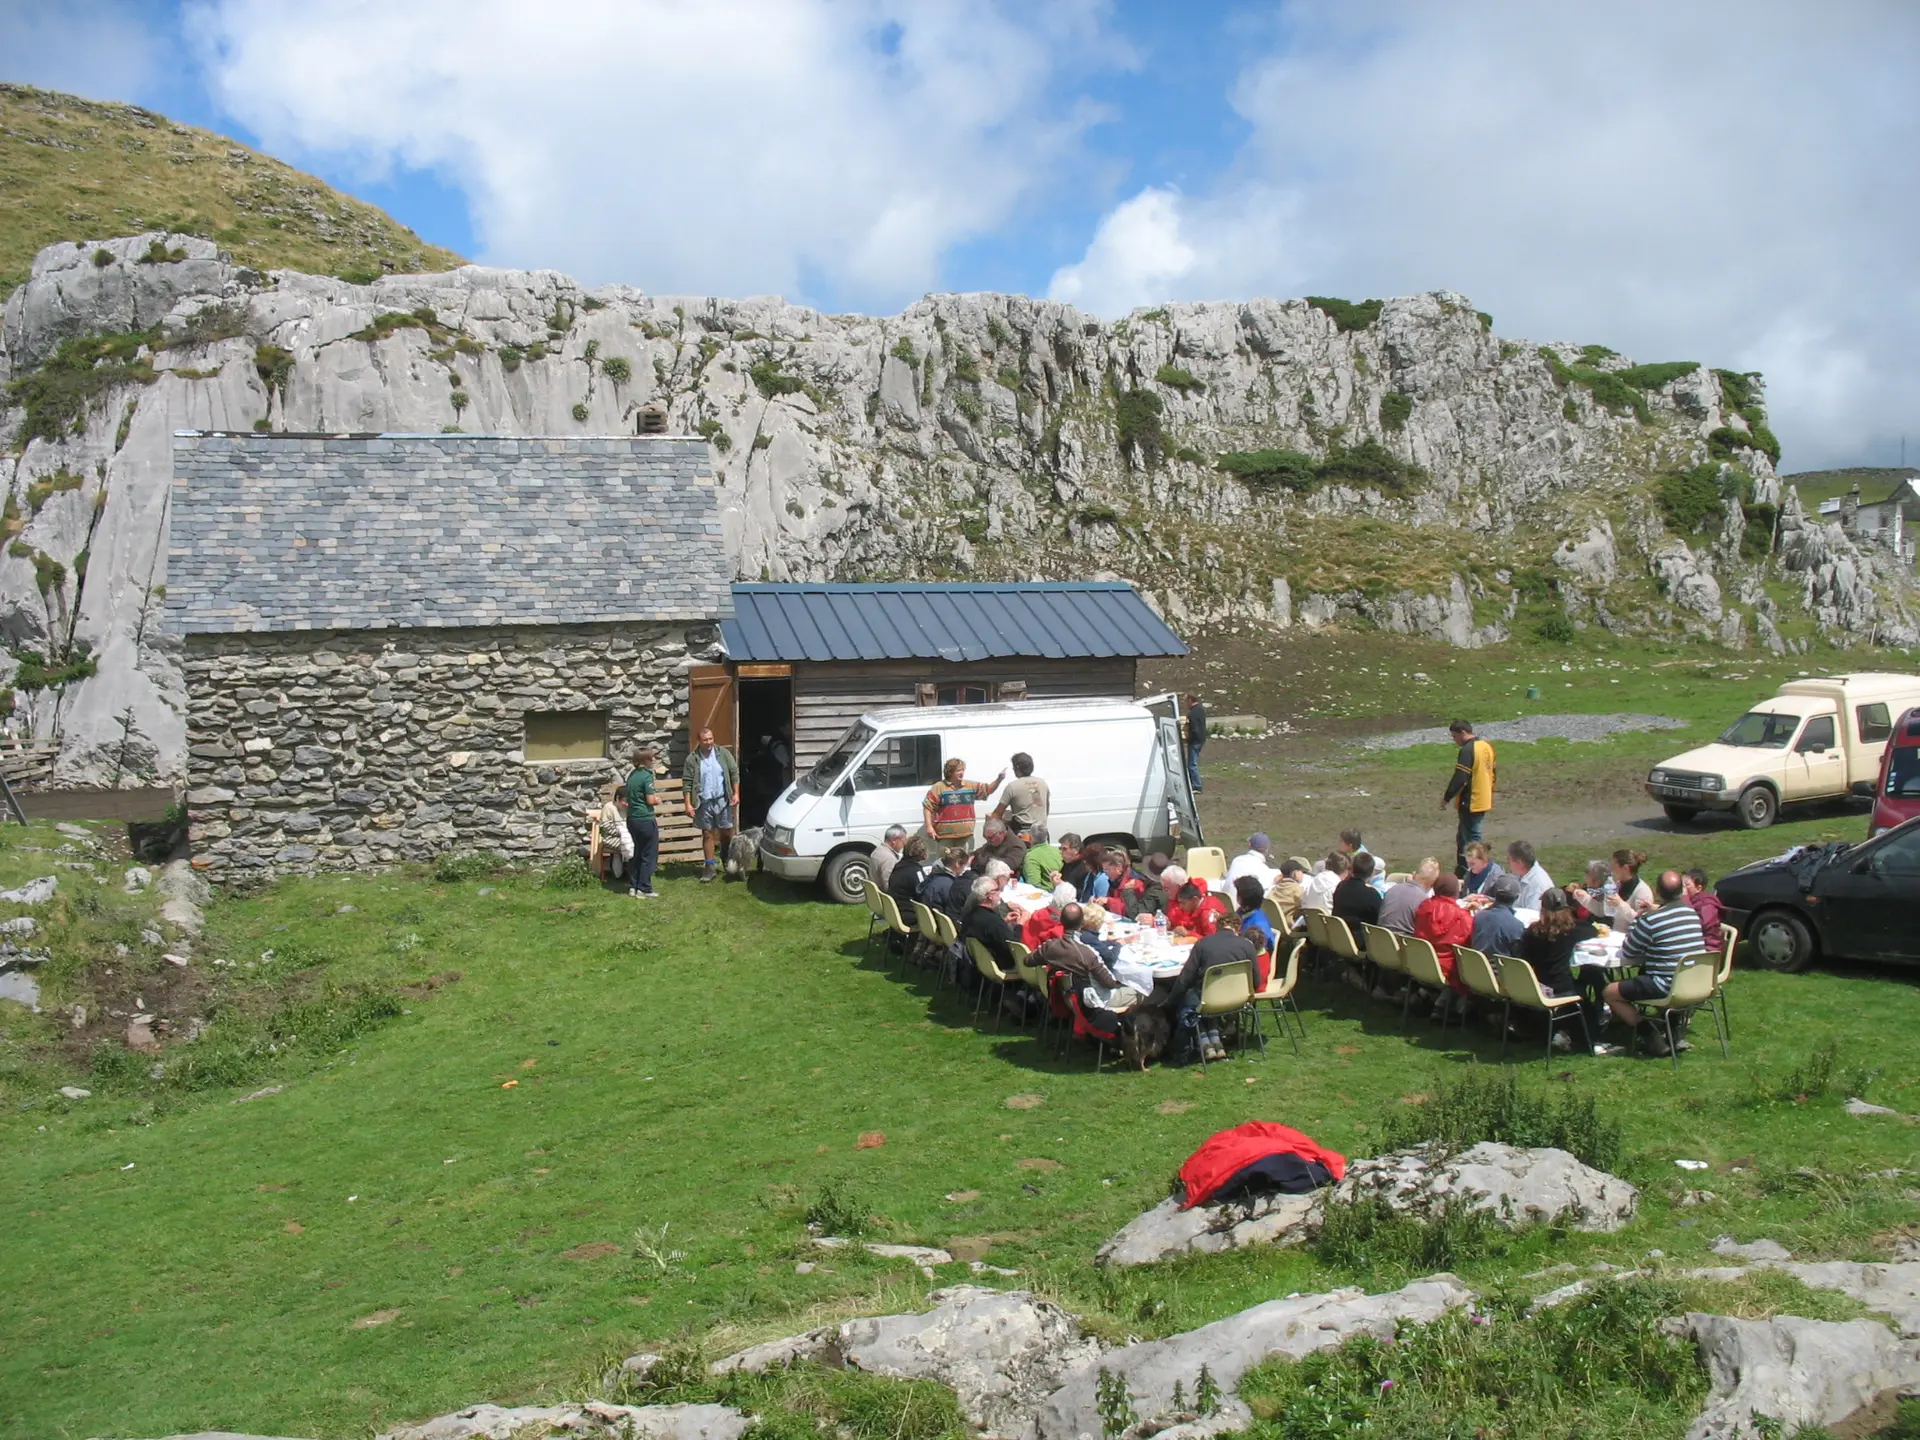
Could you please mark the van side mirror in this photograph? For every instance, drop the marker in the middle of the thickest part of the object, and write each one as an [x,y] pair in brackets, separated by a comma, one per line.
[844,790]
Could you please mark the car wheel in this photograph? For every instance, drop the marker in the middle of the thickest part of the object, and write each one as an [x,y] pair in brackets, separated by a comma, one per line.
[845,877]
[1781,940]
[1680,814]
[1756,807]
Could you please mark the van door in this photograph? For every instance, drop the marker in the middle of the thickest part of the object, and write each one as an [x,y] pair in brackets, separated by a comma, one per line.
[1173,762]
[887,785]
[1817,767]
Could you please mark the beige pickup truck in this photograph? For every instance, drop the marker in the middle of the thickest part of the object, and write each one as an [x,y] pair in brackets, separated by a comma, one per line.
[1816,740]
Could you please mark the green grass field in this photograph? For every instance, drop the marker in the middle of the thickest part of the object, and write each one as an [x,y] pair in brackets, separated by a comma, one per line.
[604,1135]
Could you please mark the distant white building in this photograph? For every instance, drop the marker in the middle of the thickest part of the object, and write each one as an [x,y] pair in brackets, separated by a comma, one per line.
[1893,522]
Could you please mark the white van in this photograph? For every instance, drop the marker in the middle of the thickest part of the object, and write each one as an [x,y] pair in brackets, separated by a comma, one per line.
[1818,739]
[1114,767]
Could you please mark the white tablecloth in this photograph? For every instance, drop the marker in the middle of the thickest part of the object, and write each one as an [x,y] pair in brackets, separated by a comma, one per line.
[1602,950]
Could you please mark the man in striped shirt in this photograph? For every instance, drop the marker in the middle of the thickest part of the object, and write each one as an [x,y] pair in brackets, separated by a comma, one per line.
[1658,941]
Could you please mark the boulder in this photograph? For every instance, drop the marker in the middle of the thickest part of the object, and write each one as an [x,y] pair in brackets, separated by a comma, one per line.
[1293,1327]
[1207,1229]
[592,1419]
[223,1435]
[1762,1249]
[186,893]
[1520,1186]
[1893,1289]
[1590,562]
[34,892]
[1797,1373]
[999,1351]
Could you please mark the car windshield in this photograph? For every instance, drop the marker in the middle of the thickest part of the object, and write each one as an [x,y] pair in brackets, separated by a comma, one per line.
[827,768]
[1762,728]
[1903,772]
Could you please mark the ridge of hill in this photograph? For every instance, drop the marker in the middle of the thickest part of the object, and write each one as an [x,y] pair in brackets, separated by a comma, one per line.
[71,168]
[1876,482]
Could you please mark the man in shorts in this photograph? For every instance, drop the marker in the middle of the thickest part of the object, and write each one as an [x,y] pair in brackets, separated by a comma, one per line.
[710,785]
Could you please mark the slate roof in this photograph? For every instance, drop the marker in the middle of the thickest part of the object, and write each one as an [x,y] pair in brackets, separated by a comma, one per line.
[280,532]
[943,622]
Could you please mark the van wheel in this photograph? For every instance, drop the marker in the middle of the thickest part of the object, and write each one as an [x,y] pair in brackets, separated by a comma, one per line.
[1680,814]
[845,877]
[1757,807]
[1781,940]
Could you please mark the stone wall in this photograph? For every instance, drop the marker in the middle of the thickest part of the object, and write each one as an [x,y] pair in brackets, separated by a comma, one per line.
[342,749]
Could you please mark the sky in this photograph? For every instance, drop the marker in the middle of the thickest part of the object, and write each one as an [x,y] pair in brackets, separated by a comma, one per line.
[1730,181]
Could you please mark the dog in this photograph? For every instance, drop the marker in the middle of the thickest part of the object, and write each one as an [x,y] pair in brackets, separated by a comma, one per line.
[743,853]
[1144,1033]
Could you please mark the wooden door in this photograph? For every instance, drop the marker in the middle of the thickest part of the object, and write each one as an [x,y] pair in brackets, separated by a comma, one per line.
[710,704]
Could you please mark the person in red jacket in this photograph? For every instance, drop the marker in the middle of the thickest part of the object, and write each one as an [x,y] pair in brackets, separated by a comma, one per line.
[1443,924]
[1191,914]
[1045,923]
[1126,889]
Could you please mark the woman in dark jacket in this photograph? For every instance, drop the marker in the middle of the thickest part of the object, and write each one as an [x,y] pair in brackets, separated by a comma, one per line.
[1548,946]
[1354,898]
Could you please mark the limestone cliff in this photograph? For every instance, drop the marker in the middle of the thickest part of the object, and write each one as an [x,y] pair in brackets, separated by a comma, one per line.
[1394,463]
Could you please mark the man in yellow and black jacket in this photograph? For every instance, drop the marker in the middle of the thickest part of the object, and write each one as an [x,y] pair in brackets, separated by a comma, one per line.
[1471,789]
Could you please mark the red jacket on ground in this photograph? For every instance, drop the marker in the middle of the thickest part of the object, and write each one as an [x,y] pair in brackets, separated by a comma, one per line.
[1226,1154]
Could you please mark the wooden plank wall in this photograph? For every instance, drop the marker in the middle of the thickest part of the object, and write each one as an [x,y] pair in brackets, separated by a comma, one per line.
[827,698]
[679,841]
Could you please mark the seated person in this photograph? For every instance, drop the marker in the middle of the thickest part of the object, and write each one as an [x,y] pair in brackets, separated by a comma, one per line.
[1126,890]
[1164,887]
[1532,875]
[1045,861]
[1256,861]
[1496,929]
[984,922]
[1443,924]
[1352,846]
[887,854]
[1092,881]
[1548,945]
[945,888]
[909,872]
[1706,905]
[1079,951]
[1286,892]
[1045,923]
[1657,942]
[1250,918]
[1398,905]
[1223,947]
[1002,845]
[1354,898]
[1317,892]
[1190,914]
[1480,868]
[1073,860]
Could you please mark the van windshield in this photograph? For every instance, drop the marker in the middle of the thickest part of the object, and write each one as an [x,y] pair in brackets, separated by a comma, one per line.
[1762,728]
[827,768]
[1903,772]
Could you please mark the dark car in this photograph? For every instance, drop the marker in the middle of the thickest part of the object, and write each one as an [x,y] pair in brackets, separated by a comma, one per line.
[1854,902]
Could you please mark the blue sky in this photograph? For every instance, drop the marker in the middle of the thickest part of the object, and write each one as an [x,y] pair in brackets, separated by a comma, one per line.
[1733,181]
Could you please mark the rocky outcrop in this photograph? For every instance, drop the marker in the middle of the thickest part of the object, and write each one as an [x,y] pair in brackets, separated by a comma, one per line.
[1168,1230]
[999,1351]
[590,1421]
[1290,1328]
[1795,1373]
[976,434]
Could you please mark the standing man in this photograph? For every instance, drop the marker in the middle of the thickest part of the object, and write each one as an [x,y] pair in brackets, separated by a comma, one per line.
[642,825]
[710,784]
[1026,801]
[1196,738]
[1470,789]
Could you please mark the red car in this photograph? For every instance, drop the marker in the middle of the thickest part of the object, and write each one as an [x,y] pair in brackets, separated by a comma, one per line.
[1897,796]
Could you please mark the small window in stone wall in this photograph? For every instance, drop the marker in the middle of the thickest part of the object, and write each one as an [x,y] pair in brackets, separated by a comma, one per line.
[565,735]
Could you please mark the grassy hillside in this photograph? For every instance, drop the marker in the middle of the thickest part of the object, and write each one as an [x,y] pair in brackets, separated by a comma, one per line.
[73,169]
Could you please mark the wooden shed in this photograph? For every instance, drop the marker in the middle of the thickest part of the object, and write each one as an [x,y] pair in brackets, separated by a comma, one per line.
[805,661]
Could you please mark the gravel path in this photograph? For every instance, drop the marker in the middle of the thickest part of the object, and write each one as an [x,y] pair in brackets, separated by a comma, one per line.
[1538,727]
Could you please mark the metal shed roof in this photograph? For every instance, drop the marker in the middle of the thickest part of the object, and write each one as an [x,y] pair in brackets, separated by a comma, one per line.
[944,622]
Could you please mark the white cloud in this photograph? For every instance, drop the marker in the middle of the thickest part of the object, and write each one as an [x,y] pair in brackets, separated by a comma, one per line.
[1732,181]
[729,146]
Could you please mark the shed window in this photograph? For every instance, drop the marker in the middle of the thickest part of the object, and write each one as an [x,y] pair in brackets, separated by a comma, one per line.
[962,695]
[566,735]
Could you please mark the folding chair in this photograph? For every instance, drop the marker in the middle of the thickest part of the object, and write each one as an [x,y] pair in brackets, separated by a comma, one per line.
[1730,937]
[990,973]
[896,924]
[1228,990]
[1520,986]
[1693,987]
[1383,952]
[1206,862]
[1477,974]
[1422,964]
[1035,976]
[1083,1028]
[1278,994]
[875,916]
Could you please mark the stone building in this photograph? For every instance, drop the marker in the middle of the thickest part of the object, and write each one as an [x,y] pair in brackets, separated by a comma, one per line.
[396,645]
